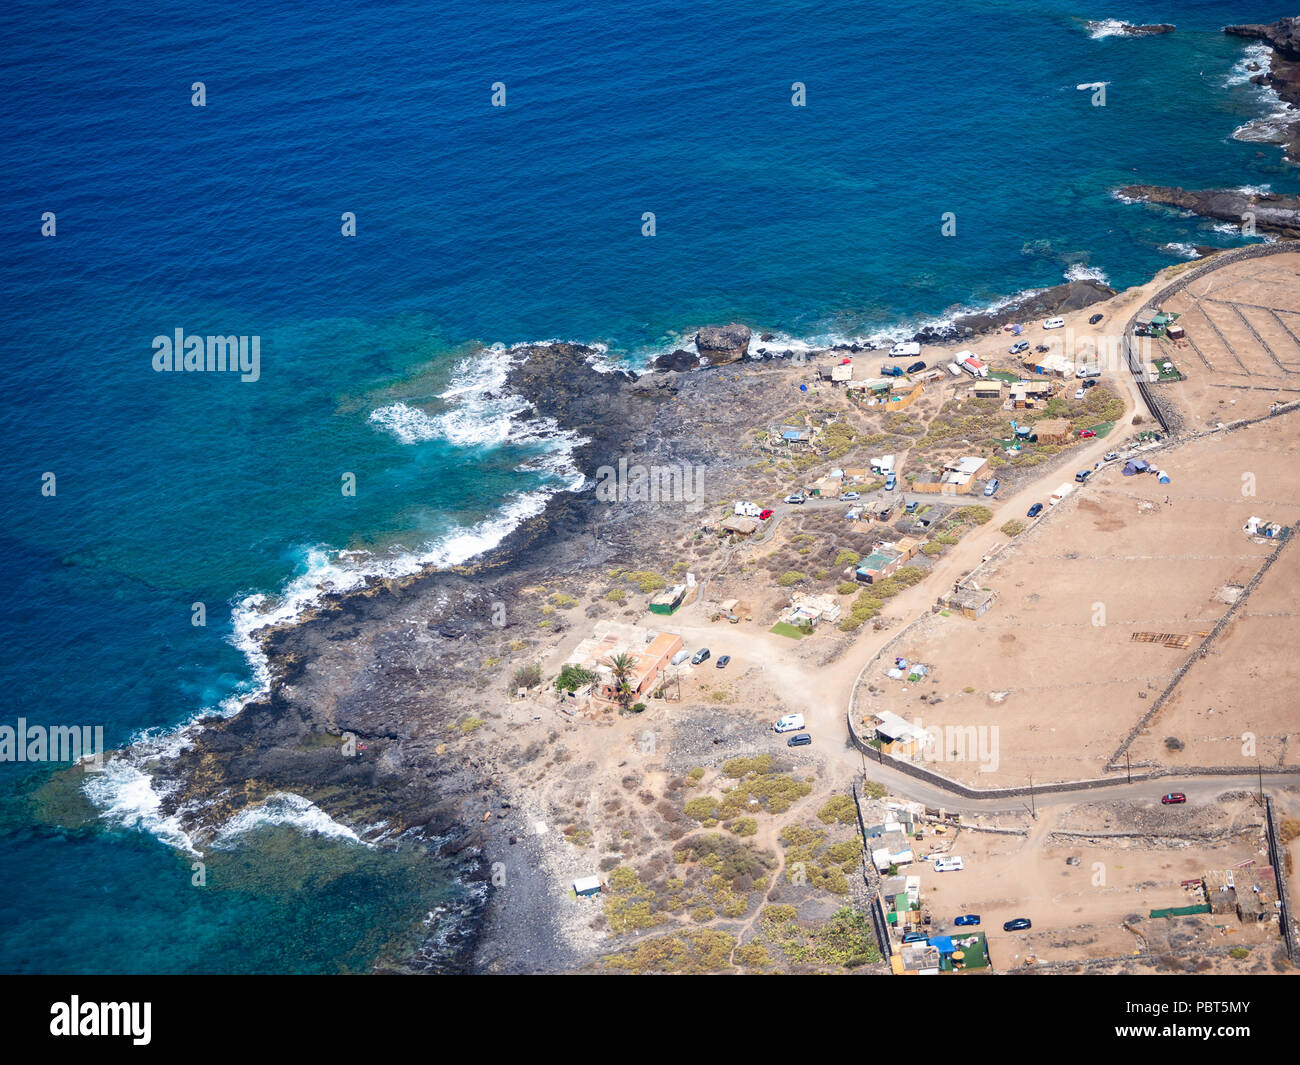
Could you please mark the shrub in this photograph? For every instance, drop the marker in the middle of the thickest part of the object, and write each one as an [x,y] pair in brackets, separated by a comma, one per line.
[847,587]
[471,724]
[838,808]
[976,513]
[564,602]
[791,576]
[1173,743]
[847,558]
[528,676]
[616,595]
[1013,528]
[701,808]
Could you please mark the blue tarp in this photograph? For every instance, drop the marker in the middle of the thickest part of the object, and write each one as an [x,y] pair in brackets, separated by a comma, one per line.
[944,943]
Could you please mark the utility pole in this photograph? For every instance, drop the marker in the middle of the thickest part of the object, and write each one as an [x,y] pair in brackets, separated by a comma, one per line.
[1128,768]
[1033,809]
[1260,770]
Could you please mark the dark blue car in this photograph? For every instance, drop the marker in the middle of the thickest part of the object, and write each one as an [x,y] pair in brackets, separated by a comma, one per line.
[967,919]
[1035,510]
[1018,925]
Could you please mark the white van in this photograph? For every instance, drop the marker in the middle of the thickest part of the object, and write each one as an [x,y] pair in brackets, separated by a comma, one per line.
[904,348]
[951,864]
[789,723]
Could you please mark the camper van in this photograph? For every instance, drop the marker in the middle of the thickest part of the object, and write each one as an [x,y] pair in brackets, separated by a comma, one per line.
[950,864]
[789,723]
[904,348]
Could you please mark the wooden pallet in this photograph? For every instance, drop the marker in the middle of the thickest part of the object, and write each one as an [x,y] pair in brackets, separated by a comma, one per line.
[1168,639]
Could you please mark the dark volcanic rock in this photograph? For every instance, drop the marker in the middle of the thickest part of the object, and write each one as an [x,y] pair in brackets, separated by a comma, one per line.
[1274,213]
[1283,77]
[1151,30]
[677,361]
[723,343]
[1283,36]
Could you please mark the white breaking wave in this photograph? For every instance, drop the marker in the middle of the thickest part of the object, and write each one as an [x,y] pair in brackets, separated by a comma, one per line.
[1256,55]
[1083,272]
[1181,249]
[1111,27]
[286,808]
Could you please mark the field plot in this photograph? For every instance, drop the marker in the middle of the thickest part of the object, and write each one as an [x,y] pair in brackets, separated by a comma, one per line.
[1089,876]
[1242,350]
[1051,680]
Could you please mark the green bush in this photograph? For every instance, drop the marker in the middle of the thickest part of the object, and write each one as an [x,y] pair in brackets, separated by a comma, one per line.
[847,587]
[789,577]
[847,558]
[1013,527]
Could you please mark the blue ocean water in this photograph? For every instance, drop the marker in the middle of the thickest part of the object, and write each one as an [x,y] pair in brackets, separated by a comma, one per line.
[475,225]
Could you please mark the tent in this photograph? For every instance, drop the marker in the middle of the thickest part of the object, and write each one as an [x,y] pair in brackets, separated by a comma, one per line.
[1163,477]
[1135,466]
[944,943]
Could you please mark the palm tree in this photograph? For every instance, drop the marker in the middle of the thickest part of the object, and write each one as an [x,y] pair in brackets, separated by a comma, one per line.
[622,665]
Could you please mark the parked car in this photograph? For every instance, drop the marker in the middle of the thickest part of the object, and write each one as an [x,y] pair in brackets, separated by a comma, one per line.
[911,507]
[1042,349]
[1095,319]
[789,723]
[915,937]
[1054,323]
[1174,798]
[724,661]
[1079,393]
[916,367]
[921,524]
[967,919]
[1018,347]
[1018,925]
[699,656]
[1111,456]
[948,864]
[1085,434]
[891,482]
[849,497]
[1082,475]
[991,487]
[801,740]
[794,499]
[885,513]
[763,515]
[1090,383]
[1035,510]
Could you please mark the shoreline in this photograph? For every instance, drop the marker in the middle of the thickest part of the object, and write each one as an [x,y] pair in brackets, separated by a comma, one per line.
[620,414]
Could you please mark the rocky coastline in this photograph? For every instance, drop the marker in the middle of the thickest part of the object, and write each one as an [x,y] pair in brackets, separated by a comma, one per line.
[1274,214]
[1283,77]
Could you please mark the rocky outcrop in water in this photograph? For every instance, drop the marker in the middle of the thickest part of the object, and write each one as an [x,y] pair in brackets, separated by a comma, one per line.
[723,343]
[1273,213]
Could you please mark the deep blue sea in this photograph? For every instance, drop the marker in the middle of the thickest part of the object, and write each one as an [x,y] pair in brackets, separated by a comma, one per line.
[475,225]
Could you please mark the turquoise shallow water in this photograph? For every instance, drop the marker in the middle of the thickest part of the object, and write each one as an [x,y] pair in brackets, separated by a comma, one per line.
[475,225]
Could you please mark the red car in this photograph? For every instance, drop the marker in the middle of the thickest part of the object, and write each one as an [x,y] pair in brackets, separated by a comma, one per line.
[1173,798]
[765,515]
[1084,433]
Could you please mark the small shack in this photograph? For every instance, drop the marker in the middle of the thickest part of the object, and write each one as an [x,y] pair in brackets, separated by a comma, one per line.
[586,886]
[1053,431]
[970,601]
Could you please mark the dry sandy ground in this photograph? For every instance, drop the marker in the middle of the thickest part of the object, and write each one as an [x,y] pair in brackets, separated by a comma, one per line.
[1242,351]
[1079,911]
[1097,569]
